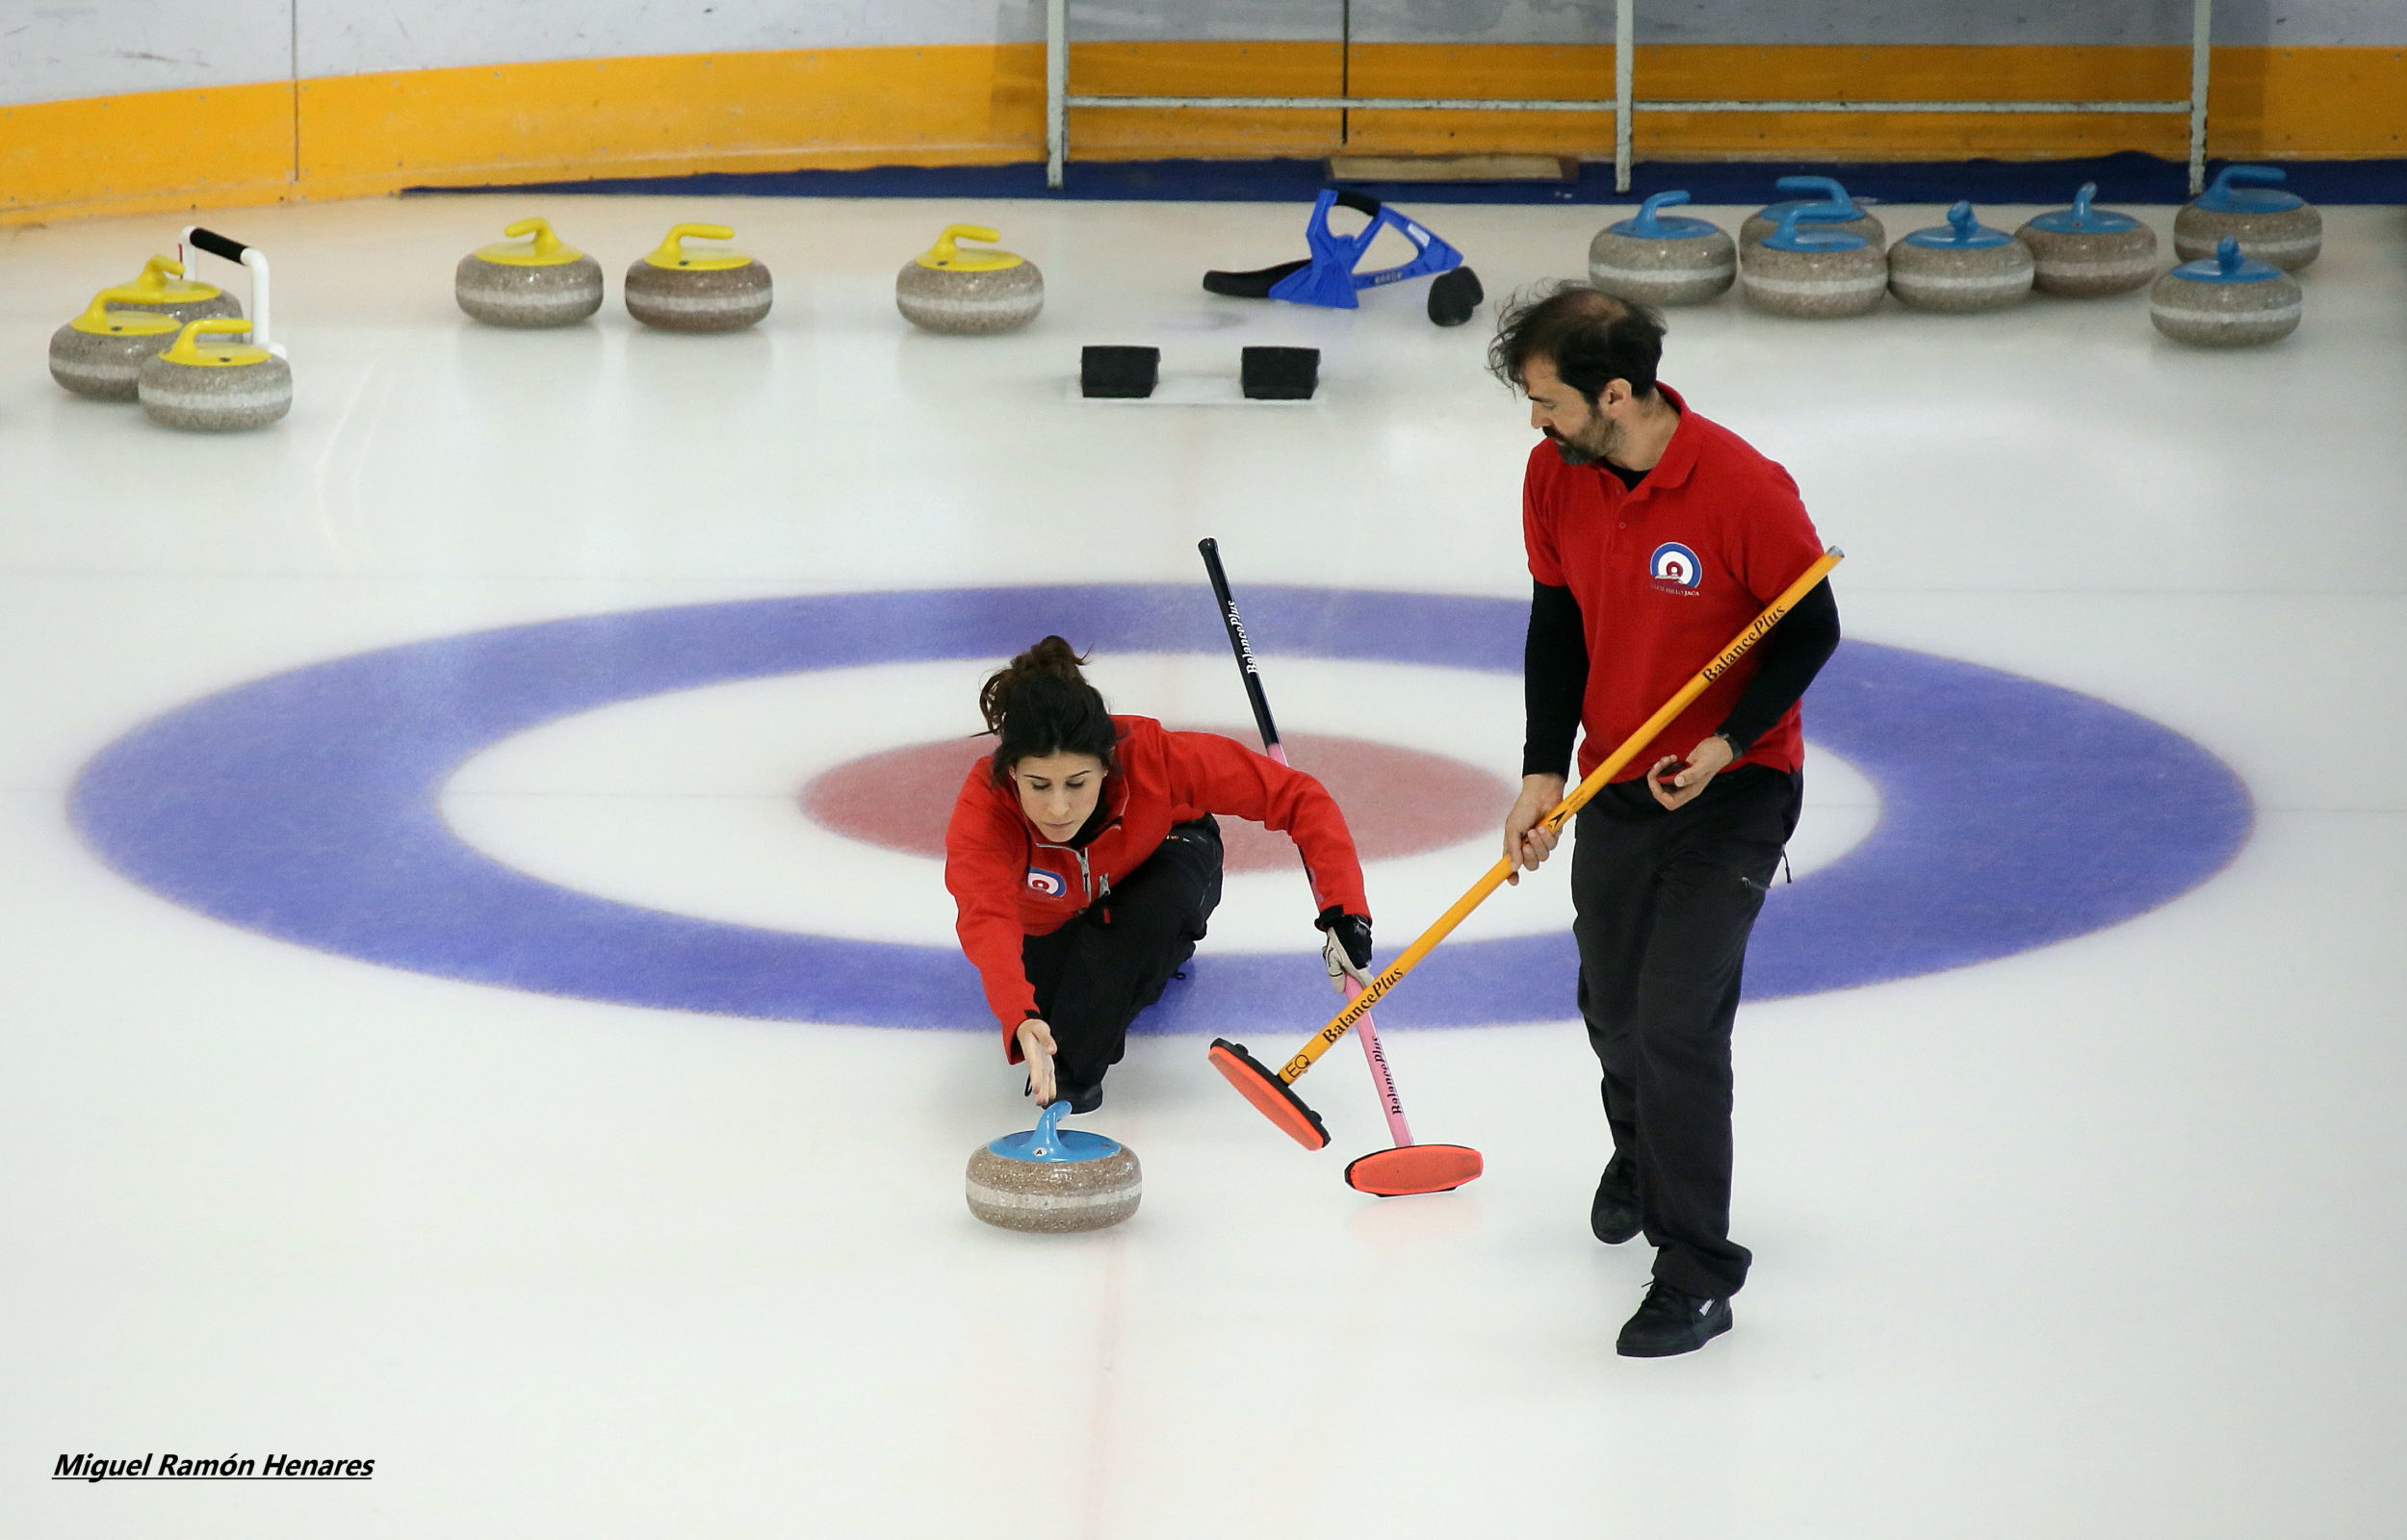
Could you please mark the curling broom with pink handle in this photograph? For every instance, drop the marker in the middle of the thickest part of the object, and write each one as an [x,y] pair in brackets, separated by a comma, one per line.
[1407,1169]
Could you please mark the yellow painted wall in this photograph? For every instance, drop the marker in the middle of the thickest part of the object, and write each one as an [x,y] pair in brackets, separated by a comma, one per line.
[351,136]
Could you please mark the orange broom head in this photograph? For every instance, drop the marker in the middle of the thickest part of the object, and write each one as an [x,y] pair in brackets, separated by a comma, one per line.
[1410,1168]
[1270,1096]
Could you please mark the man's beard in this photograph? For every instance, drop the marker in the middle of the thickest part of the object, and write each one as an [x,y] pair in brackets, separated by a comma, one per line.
[1601,439]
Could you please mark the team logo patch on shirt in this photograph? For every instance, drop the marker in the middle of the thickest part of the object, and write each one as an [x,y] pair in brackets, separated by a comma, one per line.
[1045,883]
[1675,563]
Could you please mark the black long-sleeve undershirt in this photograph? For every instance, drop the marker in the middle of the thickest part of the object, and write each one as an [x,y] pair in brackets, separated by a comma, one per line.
[1554,674]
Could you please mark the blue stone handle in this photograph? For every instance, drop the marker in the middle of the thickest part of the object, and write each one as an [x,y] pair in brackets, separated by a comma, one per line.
[1045,1145]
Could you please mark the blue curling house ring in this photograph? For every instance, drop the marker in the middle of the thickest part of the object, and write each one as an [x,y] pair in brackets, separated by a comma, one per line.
[305,806]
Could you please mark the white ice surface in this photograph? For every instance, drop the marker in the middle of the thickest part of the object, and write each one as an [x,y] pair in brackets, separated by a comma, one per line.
[2099,1241]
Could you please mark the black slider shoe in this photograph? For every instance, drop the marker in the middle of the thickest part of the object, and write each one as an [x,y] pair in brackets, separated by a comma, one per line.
[1670,1323]
[1613,1216]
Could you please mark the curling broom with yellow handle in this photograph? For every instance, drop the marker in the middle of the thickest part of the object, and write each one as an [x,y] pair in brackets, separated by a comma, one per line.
[1273,1095]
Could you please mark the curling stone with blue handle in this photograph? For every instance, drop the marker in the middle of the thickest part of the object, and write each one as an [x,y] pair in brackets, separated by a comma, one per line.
[216,387]
[1816,275]
[162,287]
[678,289]
[1830,210]
[2226,301]
[1052,1179]
[101,353]
[2271,225]
[1659,260]
[1960,266]
[968,292]
[2086,252]
[537,282]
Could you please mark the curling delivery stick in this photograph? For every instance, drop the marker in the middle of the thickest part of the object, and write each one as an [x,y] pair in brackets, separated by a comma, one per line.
[1273,1095]
[1408,1169]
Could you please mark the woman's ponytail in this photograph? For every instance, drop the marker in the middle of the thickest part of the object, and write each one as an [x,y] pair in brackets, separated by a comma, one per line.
[1040,703]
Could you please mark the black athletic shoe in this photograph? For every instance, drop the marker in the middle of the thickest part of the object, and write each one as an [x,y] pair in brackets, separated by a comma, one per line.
[1081,1099]
[1613,1216]
[1670,1323]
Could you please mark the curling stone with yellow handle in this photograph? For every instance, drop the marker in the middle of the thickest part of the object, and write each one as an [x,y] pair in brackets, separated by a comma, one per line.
[678,289]
[216,387]
[100,352]
[538,282]
[162,287]
[970,292]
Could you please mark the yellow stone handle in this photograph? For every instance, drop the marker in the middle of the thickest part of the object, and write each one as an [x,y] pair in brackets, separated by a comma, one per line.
[186,350]
[945,251]
[151,285]
[96,317]
[672,248]
[948,255]
[548,246]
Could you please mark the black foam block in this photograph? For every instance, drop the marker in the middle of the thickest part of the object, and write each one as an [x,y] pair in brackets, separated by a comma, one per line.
[1280,373]
[1453,294]
[1119,374]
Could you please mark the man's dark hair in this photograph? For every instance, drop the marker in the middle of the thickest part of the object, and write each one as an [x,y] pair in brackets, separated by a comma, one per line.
[1588,336]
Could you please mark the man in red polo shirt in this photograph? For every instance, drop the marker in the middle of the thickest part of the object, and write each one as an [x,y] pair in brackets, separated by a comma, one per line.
[1655,536]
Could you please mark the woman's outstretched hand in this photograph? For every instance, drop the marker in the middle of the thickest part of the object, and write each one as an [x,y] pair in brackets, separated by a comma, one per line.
[1036,1046]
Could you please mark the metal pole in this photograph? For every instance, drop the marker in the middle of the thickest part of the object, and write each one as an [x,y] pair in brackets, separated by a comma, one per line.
[1624,30]
[1057,88]
[2201,55]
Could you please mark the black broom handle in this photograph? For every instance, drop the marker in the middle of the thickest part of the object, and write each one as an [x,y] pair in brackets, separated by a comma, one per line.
[1238,644]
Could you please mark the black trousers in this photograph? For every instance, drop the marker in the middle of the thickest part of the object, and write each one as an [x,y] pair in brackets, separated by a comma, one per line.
[1095,973]
[1664,904]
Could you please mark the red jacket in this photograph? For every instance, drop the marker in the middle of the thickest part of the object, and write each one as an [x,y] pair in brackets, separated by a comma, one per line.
[1009,882]
[1665,575]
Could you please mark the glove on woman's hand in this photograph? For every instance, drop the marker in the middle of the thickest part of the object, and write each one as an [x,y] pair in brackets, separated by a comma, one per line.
[1347,947]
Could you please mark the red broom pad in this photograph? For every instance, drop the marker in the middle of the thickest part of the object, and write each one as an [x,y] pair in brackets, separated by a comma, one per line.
[1411,1168]
[1270,1096]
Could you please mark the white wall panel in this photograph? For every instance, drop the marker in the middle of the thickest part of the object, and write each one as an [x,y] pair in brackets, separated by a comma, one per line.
[2298,24]
[51,50]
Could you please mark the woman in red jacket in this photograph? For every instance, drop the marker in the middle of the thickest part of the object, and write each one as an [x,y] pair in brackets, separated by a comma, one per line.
[1085,862]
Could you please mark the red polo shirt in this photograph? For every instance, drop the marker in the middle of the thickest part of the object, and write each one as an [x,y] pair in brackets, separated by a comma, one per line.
[1665,576]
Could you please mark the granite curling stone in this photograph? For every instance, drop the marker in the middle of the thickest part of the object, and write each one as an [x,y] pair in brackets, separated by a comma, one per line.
[161,287]
[2086,252]
[1834,210]
[1959,266]
[969,294]
[544,282]
[100,352]
[1816,275]
[1052,1180]
[2271,225]
[2226,301]
[677,290]
[1658,261]
[216,387]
